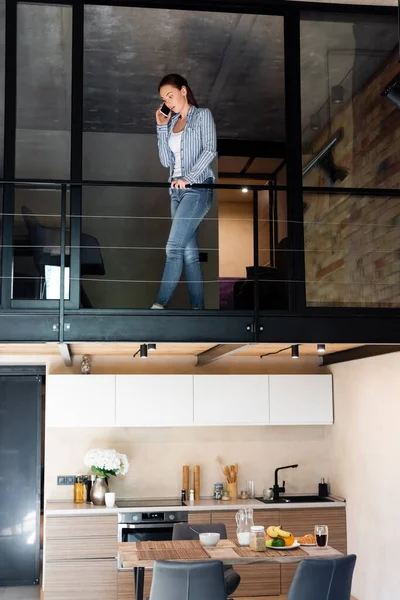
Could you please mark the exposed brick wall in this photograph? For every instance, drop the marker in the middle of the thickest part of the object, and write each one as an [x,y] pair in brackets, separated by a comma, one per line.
[353,243]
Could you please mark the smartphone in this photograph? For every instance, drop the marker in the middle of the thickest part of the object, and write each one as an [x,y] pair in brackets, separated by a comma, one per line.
[164,110]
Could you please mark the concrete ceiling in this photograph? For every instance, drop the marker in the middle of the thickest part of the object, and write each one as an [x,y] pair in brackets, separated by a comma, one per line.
[234,63]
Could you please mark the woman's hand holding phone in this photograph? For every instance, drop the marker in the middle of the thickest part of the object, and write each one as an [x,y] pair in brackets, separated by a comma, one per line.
[161,118]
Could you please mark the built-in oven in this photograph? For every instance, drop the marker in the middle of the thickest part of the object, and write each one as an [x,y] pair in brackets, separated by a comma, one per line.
[148,526]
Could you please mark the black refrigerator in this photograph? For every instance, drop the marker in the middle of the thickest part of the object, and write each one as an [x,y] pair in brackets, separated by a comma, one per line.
[20,478]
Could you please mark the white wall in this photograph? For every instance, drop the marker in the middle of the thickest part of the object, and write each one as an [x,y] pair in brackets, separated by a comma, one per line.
[158,454]
[364,446]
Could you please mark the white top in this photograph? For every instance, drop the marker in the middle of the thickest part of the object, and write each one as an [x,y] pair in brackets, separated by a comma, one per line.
[175,145]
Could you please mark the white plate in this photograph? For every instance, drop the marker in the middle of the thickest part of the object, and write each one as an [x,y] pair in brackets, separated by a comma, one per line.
[308,544]
[292,547]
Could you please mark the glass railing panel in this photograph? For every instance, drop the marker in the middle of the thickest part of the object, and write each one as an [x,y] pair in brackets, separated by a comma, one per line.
[127,229]
[36,244]
[352,251]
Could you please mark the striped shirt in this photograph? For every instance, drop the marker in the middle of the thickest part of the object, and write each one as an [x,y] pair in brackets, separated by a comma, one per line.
[198,148]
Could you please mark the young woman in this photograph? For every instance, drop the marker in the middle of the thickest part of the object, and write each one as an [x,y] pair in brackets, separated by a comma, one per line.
[187,144]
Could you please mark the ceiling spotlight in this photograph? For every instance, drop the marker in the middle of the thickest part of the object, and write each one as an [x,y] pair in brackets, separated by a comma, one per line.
[315,122]
[337,94]
[321,348]
[295,351]
[143,350]
[152,347]
[245,190]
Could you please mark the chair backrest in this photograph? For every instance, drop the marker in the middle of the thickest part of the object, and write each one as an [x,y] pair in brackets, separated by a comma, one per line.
[185,531]
[323,579]
[174,580]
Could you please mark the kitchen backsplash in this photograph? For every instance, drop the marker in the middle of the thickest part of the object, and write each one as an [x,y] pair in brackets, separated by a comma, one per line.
[157,455]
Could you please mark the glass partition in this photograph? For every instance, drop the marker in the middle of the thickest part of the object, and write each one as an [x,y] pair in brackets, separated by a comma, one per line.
[350,127]
[352,250]
[44,47]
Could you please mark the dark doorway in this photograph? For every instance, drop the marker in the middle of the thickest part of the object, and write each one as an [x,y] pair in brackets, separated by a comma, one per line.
[20,469]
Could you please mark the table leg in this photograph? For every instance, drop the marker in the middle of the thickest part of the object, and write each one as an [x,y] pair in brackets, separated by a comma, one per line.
[138,575]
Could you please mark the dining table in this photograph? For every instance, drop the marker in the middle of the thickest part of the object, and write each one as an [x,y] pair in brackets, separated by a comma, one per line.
[142,555]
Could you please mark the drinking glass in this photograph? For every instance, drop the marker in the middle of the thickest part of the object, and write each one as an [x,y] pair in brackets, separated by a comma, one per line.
[321,535]
[250,486]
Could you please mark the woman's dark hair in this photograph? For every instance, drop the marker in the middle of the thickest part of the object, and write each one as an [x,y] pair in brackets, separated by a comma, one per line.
[177,81]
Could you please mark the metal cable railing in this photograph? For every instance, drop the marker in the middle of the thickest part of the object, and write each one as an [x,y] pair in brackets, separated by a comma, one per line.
[325,240]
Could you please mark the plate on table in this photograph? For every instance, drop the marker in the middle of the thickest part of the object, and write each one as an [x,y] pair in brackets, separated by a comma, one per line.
[301,544]
[292,547]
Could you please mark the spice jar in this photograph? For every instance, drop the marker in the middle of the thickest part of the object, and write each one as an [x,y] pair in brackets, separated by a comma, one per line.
[79,490]
[257,538]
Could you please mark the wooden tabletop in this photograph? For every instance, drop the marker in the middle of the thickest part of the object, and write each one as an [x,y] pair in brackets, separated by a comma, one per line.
[225,552]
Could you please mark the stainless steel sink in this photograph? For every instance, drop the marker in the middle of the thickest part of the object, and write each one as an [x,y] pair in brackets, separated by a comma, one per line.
[286,499]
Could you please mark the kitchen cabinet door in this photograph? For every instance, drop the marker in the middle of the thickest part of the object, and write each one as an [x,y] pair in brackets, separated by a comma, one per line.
[231,400]
[154,400]
[80,400]
[83,579]
[300,400]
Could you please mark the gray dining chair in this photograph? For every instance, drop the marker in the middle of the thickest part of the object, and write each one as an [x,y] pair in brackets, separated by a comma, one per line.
[323,579]
[202,580]
[185,531]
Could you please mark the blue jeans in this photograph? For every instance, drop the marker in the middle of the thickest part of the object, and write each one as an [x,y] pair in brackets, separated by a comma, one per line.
[188,208]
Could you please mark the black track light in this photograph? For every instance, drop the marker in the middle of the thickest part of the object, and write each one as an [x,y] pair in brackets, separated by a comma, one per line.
[321,348]
[152,347]
[295,351]
[143,350]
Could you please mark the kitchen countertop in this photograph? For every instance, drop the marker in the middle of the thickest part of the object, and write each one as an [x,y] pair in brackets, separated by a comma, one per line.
[65,508]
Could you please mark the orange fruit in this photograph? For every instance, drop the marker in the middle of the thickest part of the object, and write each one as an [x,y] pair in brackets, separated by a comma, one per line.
[289,541]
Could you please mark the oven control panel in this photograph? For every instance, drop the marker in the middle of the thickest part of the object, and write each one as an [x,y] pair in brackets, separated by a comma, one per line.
[153,517]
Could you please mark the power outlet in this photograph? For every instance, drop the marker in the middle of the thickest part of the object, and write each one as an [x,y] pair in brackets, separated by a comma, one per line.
[70,480]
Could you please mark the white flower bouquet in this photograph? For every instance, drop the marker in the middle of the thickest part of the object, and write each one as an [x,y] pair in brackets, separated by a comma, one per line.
[106,463]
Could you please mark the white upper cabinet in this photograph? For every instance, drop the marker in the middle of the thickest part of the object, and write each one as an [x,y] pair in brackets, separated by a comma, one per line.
[80,401]
[231,400]
[300,399]
[154,400]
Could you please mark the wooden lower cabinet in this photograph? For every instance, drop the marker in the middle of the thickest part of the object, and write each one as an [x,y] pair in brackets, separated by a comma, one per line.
[199,517]
[81,527]
[78,548]
[126,588]
[287,574]
[80,558]
[86,579]
[258,580]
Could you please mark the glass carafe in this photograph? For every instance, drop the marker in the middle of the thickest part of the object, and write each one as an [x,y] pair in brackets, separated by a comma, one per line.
[244,521]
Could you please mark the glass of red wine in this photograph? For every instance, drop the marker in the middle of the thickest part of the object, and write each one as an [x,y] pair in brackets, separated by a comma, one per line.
[321,535]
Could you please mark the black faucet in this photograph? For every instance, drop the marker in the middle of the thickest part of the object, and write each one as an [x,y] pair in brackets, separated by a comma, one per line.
[276,487]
